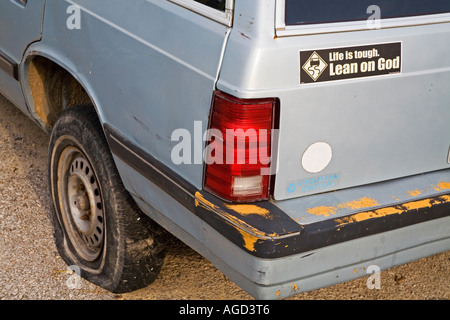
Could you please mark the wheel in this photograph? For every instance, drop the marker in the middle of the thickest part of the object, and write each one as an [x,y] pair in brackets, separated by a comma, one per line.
[97,225]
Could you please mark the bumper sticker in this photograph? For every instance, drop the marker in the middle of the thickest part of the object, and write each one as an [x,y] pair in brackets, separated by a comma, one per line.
[350,62]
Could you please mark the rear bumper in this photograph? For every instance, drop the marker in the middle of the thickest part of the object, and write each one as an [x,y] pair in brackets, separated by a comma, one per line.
[265,231]
[281,263]
[277,249]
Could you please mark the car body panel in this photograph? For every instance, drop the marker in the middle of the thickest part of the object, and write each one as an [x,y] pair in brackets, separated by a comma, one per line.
[20,25]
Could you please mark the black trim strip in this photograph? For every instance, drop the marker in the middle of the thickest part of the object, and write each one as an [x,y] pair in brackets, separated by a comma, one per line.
[9,66]
[264,230]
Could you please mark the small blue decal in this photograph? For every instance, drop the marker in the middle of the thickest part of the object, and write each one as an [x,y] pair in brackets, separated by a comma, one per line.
[314,184]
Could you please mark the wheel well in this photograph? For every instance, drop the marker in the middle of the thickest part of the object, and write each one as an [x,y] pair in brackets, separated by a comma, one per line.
[52,89]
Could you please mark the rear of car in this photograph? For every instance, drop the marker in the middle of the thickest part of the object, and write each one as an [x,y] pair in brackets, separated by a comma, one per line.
[294,144]
[359,99]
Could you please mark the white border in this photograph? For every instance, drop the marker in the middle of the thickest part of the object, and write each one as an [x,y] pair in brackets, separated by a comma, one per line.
[282,30]
[225,18]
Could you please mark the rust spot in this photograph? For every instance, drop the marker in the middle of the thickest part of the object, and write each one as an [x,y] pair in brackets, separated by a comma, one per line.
[53,89]
[37,78]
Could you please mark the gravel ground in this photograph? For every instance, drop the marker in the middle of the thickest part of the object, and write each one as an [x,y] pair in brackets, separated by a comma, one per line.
[31,268]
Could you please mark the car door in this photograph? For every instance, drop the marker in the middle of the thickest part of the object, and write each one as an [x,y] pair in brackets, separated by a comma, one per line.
[20,25]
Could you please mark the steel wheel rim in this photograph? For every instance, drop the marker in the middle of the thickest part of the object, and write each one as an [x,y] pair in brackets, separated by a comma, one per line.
[81,204]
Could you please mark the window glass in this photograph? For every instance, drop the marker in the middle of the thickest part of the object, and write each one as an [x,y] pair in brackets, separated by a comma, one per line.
[300,12]
[216,4]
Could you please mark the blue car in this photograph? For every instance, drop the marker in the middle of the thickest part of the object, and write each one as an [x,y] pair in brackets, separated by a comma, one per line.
[288,142]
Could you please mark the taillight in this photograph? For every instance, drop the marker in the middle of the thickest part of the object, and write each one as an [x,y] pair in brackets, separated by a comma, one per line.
[239,148]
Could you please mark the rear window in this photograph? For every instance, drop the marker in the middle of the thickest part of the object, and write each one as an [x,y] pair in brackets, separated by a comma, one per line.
[301,12]
[216,4]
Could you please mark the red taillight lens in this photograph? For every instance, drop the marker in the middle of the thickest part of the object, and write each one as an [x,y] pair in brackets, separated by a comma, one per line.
[239,147]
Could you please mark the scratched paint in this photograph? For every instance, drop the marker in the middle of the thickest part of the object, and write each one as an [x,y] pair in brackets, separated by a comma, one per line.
[326,211]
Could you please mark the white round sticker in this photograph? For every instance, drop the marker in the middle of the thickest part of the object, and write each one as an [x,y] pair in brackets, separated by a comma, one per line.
[317,157]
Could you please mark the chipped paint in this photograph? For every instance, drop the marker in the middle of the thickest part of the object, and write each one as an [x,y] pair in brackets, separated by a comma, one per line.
[331,210]
[247,209]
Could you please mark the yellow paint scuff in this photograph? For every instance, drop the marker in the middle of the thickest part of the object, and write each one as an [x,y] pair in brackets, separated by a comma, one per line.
[368,215]
[413,205]
[246,209]
[249,233]
[444,185]
[418,204]
[201,201]
[294,286]
[414,193]
[322,211]
[355,204]
[249,239]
